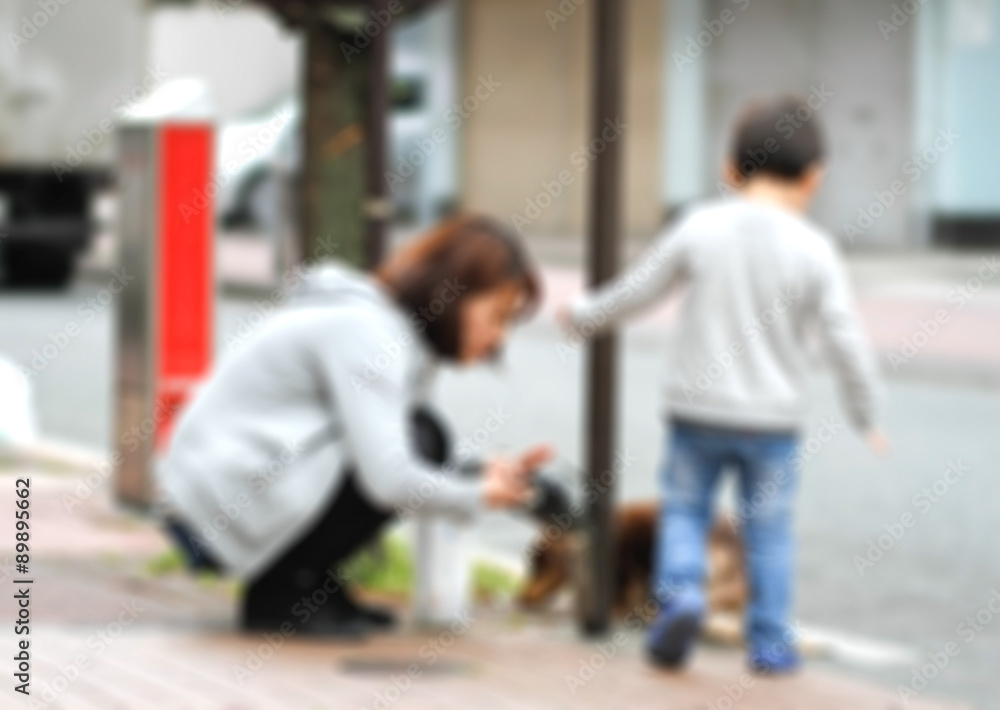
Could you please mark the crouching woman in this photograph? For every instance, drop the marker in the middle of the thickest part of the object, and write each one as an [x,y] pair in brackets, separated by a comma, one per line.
[302,445]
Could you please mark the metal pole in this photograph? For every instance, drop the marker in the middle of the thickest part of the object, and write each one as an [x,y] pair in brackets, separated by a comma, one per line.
[602,264]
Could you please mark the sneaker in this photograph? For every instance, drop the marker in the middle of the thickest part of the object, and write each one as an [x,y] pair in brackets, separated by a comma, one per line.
[340,617]
[673,632]
[378,618]
[768,662]
[325,622]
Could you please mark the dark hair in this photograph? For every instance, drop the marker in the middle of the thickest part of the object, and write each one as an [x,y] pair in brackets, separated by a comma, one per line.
[432,276]
[780,137]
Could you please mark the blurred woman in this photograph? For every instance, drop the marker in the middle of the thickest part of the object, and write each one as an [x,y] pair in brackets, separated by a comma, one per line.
[301,446]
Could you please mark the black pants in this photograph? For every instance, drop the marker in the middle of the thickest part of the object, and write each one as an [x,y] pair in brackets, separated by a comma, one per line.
[348,522]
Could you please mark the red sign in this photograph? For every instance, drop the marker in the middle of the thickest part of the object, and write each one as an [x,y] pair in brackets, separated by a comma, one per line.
[184,267]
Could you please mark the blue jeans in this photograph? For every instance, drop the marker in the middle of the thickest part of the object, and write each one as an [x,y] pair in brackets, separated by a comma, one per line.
[767,466]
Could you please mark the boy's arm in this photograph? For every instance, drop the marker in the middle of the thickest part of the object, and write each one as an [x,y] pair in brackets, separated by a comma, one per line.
[648,278]
[847,346]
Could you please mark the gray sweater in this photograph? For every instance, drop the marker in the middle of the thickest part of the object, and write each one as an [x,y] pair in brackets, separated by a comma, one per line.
[759,279]
[327,383]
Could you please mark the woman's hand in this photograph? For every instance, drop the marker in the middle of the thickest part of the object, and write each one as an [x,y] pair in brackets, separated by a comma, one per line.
[507,481]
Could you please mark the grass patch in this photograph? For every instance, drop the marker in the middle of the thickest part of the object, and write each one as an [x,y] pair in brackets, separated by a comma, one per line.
[386,567]
[492,583]
[172,561]
[166,562]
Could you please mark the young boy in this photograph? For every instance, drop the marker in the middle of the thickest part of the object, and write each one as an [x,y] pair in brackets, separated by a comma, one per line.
[760,276]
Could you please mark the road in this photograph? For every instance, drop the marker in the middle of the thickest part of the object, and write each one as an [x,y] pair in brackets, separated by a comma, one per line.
[944,567]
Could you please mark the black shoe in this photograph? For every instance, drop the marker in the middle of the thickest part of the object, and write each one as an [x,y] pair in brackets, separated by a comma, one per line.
[379,618]
[669,640]
[328,622]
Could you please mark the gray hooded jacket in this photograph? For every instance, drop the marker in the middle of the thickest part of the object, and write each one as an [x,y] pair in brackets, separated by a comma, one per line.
[327,383]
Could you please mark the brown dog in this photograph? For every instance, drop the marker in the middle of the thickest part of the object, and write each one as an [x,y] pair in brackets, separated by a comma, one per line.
[552,567]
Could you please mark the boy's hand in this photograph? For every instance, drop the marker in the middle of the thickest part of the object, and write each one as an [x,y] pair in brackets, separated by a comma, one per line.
[878,442]
[564,317]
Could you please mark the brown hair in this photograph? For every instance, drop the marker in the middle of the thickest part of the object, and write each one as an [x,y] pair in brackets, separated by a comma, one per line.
[433,275]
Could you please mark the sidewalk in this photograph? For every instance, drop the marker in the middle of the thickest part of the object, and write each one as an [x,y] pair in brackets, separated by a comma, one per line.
[105,634]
